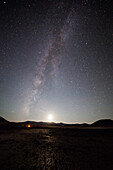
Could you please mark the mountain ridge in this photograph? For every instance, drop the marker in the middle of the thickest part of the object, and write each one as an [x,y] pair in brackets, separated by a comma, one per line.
[98,123]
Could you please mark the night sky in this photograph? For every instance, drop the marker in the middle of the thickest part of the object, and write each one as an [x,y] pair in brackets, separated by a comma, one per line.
[56,57]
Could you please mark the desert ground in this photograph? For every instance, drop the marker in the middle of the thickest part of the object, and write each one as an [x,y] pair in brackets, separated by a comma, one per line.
[56,148]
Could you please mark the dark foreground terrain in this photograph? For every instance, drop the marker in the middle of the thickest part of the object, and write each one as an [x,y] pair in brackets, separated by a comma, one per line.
[56,148]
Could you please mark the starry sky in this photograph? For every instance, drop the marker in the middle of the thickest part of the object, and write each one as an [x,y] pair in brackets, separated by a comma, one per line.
[56,57]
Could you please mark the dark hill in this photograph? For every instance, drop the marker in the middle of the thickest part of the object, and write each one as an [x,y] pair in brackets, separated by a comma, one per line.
[103,123]
[3,121]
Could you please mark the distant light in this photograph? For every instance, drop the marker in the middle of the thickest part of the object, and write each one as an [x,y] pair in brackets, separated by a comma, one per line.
[28,126]
[50,117]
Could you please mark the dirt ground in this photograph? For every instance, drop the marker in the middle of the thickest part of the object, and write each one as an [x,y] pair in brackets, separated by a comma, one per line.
[62,149]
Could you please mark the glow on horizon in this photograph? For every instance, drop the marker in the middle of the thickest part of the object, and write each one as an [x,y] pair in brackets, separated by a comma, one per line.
[50,117]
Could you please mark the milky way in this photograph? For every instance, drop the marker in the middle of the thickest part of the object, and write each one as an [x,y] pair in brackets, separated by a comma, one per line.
[48,65]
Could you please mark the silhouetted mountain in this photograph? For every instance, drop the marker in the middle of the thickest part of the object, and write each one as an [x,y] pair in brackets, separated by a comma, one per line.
[3,121]
[103,123]
[99,123]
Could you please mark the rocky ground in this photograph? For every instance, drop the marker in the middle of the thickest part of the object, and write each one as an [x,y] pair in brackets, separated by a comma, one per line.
[59,148]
